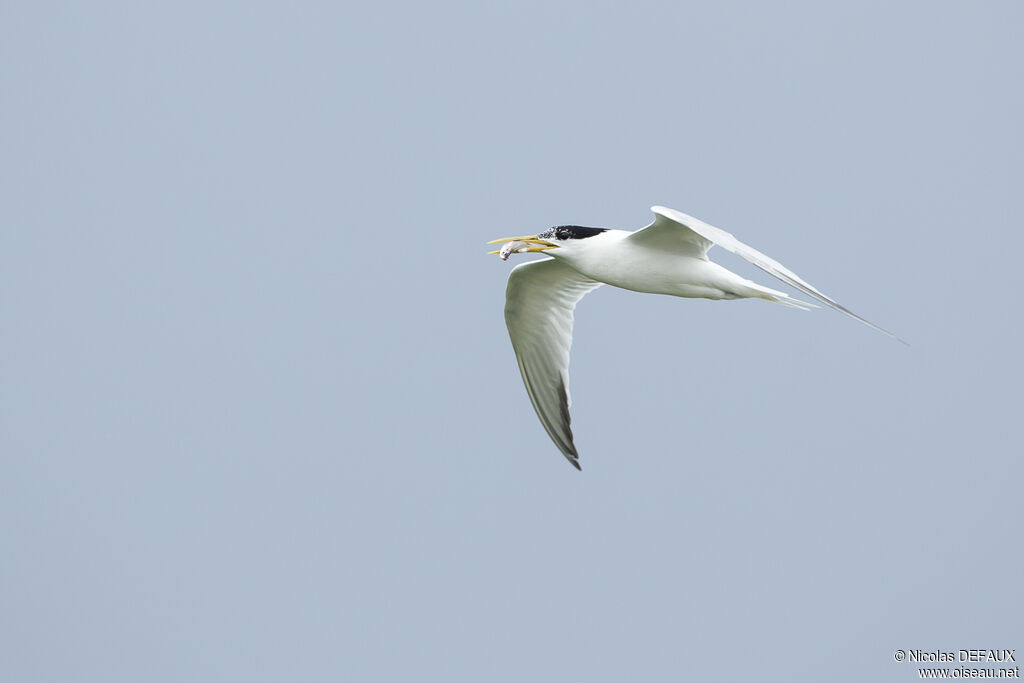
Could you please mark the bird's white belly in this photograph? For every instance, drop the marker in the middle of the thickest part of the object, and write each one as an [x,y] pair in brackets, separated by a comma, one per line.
[659,272]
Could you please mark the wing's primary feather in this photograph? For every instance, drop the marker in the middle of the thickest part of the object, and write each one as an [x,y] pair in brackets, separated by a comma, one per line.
[539,303]
[674,227]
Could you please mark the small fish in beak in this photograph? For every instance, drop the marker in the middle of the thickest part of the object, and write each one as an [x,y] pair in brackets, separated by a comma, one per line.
[517,245]
[514,247]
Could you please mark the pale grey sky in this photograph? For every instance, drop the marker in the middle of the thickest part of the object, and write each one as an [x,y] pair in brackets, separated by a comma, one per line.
[260,419]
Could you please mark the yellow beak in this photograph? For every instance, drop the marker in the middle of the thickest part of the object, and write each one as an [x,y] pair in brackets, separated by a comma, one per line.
[535,243]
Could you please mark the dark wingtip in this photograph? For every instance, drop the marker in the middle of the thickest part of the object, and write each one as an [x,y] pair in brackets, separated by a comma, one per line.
[573,458]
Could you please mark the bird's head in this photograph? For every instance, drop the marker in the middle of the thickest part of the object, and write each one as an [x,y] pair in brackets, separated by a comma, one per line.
[552,238]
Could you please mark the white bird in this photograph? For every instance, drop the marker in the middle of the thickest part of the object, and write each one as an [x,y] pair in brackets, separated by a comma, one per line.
[669,256]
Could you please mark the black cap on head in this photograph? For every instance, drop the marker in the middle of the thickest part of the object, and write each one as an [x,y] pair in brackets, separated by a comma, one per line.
[570,232]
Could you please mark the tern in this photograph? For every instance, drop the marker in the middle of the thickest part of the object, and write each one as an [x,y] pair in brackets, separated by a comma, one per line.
[669,256]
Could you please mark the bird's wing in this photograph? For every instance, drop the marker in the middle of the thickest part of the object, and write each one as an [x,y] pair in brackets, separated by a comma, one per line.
[669,233]
[539,303]
[671,227]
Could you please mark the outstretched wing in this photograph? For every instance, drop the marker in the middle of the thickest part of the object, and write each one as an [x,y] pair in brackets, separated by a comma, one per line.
[670,233]
[539,303]
[674,230]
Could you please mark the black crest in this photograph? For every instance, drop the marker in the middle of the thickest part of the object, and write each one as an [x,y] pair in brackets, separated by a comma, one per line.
[570,232]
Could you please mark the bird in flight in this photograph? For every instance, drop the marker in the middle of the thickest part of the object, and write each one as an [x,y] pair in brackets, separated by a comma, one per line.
[669,256]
